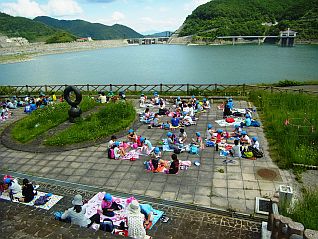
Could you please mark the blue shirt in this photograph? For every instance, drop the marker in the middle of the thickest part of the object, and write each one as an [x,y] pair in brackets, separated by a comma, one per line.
[175,122]
[248,121]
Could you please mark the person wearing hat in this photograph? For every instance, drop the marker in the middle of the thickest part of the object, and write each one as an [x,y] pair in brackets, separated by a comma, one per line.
[135,221]
[198,141]
[109,205]
[119,151]
[237,131]
[182,137]
[155,122]
[155,157]
[255,143]
[206,104]
[147,146]
[178,101]
[175,121]
[77,213]
[209,132]
[15,189]
[171,141]
[245,140]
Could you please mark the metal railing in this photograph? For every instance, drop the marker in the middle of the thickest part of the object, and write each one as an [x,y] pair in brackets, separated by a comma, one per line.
[166,89]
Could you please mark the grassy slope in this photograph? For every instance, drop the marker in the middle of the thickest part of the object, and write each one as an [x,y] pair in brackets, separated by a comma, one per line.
[44,119]
[111,119]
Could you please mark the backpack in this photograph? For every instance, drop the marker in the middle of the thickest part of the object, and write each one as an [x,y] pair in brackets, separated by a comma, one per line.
[107,225]
[255,123]
[257,153]
[209,144]
[177,151]
[248,154]
[194,150]
[41,200]
[111,153]
[229,120]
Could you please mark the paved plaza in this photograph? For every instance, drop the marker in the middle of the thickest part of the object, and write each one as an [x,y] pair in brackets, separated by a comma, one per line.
[213,184]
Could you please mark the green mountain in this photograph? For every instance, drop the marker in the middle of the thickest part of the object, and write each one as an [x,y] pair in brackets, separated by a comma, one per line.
[87,29]
[31,30]
[253,17]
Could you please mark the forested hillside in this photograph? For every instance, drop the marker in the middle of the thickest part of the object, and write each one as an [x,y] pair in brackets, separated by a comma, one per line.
[87,29]
[253,17]
[31,30]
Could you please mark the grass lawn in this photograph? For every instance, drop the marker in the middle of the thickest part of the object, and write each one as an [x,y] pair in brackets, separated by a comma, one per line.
[297,141]
[109,120]
[305,210]
[44,119]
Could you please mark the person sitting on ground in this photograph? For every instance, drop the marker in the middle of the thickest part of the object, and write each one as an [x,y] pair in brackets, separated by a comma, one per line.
[135,221]
[10,105]
[245,140]
[54,97]
[77,213]
[147,145]
[109,205]
[155,157]
[230,103]
[247,122]
[198,140]
[119,152]
[27,191]
[209,132]
[197,107]
[155,122]
[112,141]
[237,131]
[5,113]
[255,143]
[15,189]
[186,108]
[156,100]
[191,111]
[142,100]
[102,98]
[109,95]
[227,110]
[236,149]
[175,121]
[206,104]
[171,141]
[132,136]
[178,101]
[192,100]
[187,120]
[174,166]
[182,137]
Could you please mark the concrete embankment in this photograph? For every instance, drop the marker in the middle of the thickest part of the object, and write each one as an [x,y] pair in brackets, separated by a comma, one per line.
[35,49]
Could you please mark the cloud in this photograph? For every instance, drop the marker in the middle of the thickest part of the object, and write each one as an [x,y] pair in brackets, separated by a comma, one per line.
[192,5]
[26,8]
[60,8]
[101,1]
[118,16]
[31,9]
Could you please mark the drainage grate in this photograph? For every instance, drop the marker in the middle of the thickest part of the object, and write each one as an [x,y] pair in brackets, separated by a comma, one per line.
[267,174]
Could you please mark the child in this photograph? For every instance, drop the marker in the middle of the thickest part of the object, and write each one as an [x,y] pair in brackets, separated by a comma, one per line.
[174,166]
[237,131]
[132,136]
[198,140]
[27,191]
[171,141]
[4,112]
[206,104]
[142,100]
[187,120]
[15,190]
[118,151]
[155,122]
[112,141]
[209,132]
[175,121]
[255,143]
[147,146]
[155,158]
[178,101]
[182,136]
[247,121]
[109,205]
[244,138]
[236,149]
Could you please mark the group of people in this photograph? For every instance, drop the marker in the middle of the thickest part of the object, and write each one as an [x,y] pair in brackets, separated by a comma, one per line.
[24,193]
[110,96]
[139,217]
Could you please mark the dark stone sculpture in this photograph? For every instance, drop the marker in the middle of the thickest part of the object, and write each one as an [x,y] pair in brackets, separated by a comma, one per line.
[75,111]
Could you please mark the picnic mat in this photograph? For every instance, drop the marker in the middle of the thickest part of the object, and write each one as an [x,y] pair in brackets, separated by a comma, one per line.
[131,154]
[47,206]
[95,203]
[223,123]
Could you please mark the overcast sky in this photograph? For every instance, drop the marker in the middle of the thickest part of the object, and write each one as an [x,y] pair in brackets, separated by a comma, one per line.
[144,16]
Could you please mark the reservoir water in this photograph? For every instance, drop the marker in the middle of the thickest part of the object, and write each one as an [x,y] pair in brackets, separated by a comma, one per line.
[168,64]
